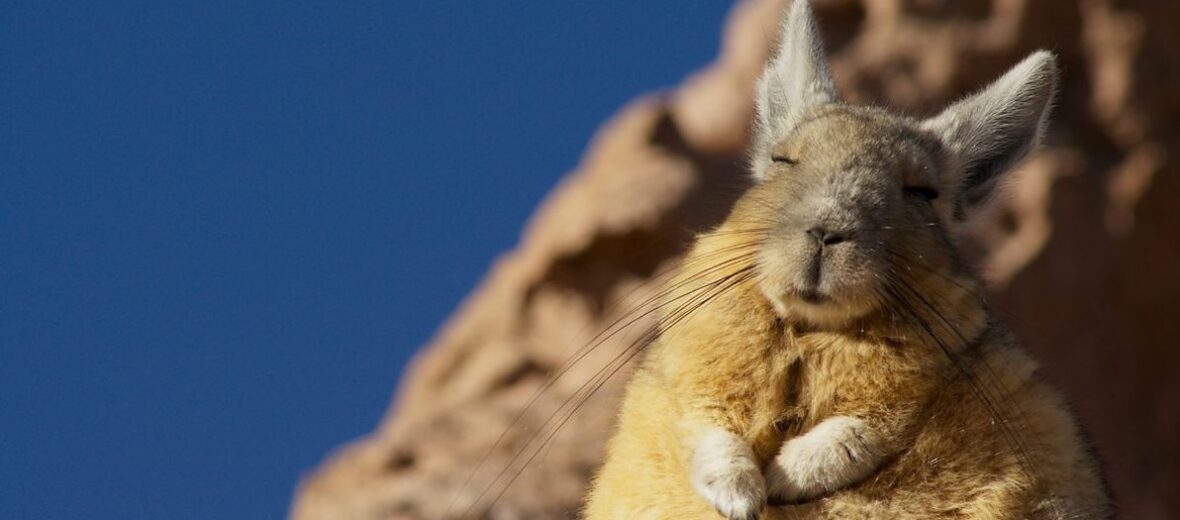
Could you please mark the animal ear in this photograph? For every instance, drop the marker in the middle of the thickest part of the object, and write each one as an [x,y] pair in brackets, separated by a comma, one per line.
[796,79]
[994,129]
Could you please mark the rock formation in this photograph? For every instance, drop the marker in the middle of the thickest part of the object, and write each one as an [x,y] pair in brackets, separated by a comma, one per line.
[1081,256]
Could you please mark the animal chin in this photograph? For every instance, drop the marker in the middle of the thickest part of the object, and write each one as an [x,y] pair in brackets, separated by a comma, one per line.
[814,307]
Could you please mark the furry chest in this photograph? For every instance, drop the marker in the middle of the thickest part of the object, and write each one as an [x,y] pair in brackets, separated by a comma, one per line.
[829,371]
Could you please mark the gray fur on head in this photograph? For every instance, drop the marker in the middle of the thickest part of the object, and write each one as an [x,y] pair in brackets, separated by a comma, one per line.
[795,80]
[991,131]
[987,133]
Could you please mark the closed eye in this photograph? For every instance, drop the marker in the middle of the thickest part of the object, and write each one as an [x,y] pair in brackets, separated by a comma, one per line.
[782,159]
[922,192]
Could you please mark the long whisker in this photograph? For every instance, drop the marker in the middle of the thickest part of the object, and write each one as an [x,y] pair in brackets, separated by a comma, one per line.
[601,339]
[927,303]
[700,297]
[908,263]
[610,331]
[631,317]
[898,287]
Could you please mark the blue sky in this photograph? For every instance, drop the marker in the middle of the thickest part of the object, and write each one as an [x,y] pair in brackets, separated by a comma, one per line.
[225,226]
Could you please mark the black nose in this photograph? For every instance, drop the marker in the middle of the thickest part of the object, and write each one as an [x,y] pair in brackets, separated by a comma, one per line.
[825,236]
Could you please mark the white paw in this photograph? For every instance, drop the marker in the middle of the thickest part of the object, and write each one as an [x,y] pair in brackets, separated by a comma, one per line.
[837,452]
[727,476]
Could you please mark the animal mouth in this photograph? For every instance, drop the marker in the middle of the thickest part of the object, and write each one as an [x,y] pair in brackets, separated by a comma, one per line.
[811,296]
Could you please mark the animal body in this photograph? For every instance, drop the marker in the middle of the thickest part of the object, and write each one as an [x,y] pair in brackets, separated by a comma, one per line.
[825,353]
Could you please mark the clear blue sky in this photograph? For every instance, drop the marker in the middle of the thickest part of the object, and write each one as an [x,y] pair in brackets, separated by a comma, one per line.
[225,226]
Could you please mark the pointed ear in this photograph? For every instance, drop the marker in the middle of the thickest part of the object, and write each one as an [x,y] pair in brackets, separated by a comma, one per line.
[796,79]
[994,129]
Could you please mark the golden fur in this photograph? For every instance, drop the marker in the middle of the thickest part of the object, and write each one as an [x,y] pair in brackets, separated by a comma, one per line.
[826,352]
[731,362]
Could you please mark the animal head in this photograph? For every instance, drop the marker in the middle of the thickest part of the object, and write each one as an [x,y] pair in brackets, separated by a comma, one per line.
[847,193]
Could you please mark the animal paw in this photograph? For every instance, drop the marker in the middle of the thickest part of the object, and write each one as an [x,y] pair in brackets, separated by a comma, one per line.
[727,476]
[781,487]
[837,452]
